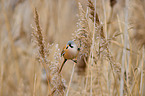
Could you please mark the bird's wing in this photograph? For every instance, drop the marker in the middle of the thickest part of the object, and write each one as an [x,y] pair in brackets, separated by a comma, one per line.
[63,51]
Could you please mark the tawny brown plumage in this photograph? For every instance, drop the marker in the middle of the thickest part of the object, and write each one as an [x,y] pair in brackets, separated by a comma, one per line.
[70,51]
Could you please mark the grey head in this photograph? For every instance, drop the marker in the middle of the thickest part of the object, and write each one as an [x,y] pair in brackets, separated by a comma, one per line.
[71,44]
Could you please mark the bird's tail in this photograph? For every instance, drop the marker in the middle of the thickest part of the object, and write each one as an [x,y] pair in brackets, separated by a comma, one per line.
[62,65]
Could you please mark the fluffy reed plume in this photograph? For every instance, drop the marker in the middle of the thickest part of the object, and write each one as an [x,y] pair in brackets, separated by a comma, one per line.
[55,82]
[103,42]
[103,53]
[37,33]
[97,21]
[83,36]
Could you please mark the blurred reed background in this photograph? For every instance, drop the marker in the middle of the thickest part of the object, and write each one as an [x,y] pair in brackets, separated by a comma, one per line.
[111,60]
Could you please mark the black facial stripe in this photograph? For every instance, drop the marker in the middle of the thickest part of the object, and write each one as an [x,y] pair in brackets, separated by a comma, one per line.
[67,47]
[71,46]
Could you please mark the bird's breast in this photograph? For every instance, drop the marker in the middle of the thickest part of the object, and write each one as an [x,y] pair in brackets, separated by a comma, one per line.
[70,53]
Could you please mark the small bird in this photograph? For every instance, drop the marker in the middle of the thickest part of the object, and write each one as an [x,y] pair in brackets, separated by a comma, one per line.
[70,51]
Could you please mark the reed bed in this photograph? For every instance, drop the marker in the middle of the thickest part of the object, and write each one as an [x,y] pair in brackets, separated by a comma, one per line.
[110,34]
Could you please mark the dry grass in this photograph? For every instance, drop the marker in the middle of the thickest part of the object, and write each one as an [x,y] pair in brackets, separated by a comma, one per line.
[110,34]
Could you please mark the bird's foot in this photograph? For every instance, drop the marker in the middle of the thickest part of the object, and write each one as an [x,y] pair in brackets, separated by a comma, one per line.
[74,61]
